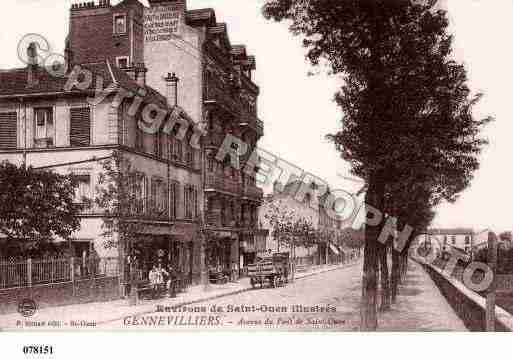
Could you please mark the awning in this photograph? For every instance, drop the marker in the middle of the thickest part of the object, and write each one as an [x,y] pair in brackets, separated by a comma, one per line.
[334,249]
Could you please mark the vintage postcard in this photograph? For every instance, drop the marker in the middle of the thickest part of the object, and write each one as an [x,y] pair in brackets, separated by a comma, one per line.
[255,165]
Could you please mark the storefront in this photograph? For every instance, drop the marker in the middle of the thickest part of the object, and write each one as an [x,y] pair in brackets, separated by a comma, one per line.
[222,252]
[173,247]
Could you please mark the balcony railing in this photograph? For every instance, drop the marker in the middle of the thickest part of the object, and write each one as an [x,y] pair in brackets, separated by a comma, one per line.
[223,98]
[216,183]
[253,192]
[253,122]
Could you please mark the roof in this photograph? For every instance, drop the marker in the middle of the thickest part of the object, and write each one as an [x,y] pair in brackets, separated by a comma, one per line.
[204,17]
[14,83]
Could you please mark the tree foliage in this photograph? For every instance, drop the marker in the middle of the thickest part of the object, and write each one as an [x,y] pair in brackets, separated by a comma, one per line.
[38,206]
[288,226]
[408,127]
[119,196]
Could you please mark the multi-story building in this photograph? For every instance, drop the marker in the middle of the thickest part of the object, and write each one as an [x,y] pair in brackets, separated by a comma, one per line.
[47,123]
[466,240]
[325,248]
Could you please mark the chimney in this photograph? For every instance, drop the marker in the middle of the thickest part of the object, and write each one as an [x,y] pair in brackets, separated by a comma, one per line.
[172,89]
[140,74]
[32,64]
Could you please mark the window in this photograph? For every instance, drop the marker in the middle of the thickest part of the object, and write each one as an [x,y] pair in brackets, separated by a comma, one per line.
[190,155]
[8,130]
[173,200]
[175,149]
[80,127]
[44,129]
[119,24]
[211,164]
[83,189]
[196,203]
[122,62]
[139,139]
[138,189]
[190,202]
[158,144]
[158,198]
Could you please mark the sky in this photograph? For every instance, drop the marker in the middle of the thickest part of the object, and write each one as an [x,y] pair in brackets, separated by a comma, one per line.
[298,110]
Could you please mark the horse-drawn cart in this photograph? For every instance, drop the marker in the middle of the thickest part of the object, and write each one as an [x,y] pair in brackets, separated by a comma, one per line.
[274,270]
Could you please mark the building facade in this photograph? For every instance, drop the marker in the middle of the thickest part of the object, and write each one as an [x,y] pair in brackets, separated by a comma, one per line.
[125,54]
[465,240]
[326,247]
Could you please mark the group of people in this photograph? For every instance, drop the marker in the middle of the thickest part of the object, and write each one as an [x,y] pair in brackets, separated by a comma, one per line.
[162,280]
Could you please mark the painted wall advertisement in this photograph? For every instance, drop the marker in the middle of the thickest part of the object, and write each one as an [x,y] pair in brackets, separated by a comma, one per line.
[162,23]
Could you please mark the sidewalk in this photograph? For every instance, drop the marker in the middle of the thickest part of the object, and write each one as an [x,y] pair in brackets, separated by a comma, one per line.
[103,312]
[420,306]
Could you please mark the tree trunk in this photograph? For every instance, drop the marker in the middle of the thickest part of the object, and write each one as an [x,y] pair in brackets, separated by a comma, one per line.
[395,275]
[368,307]
[385,284]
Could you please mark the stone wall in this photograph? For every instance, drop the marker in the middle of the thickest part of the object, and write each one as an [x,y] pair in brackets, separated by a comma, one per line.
[100,289]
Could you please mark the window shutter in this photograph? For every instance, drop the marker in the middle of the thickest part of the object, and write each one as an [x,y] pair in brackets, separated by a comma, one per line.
[8,130]
[80,127]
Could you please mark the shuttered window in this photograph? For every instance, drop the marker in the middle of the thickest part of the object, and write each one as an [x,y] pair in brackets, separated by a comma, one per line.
[80,127]
[8,126]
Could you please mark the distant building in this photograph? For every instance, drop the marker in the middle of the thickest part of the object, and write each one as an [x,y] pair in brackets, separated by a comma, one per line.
[466,240]
[326,249]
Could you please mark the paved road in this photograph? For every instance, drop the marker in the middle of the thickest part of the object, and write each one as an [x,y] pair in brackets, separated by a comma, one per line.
[324,301]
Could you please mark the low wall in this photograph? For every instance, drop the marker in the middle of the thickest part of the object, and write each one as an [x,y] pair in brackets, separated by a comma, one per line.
[469,305]
[83,291]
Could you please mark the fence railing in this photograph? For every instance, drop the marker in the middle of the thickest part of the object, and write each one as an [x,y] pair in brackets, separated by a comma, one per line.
[32,272]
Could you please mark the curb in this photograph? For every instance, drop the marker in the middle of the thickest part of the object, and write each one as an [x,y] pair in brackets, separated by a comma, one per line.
[222,295]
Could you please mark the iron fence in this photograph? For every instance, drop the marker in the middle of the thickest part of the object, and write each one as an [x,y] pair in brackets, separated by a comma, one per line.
[33,272]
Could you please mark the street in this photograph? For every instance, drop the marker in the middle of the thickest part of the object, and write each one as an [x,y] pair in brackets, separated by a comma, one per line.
[325,301]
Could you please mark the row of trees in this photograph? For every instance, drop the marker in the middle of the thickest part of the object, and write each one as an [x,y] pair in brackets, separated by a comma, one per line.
[408,128]
[292,229]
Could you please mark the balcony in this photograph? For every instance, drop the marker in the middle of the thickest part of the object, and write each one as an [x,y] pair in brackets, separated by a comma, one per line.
[223,98]
[253,193]
[253,122]
[216,183]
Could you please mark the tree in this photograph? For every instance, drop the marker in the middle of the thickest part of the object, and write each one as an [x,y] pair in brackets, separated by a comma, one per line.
[119,196]
[352,238]
[38,206]
[290,228]
[407,108]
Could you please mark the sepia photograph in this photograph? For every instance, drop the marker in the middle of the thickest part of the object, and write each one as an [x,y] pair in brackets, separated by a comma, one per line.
[261,166]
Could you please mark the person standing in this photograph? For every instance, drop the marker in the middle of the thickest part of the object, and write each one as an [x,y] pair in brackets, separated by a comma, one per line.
[153,278]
